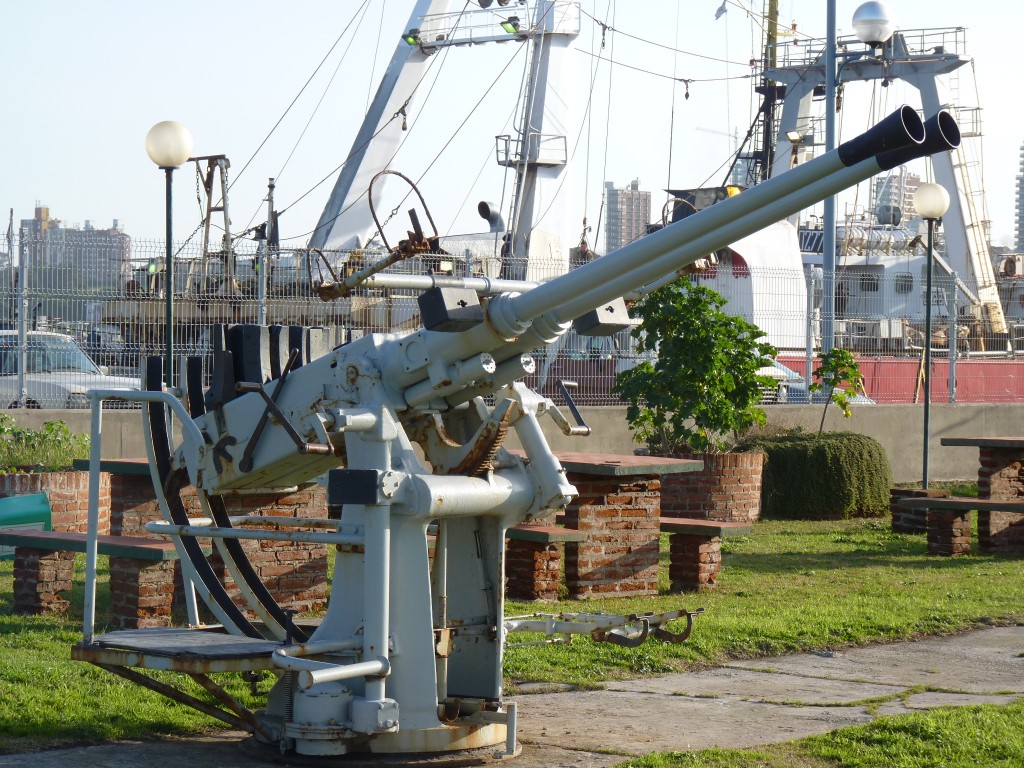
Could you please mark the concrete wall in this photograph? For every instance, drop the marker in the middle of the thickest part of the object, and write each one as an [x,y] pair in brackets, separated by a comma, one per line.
[898,427]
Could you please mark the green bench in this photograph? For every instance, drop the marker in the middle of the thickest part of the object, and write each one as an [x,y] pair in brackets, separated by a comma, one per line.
[533,559]
[695,550]
[142,574]
[948,525]
[132,547]
[544,534]
[25,512]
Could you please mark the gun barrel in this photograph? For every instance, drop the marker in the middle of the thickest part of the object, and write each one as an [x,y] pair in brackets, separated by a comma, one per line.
[900,137]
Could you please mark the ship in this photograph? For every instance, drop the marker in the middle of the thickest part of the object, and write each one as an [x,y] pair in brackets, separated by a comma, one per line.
[873,303]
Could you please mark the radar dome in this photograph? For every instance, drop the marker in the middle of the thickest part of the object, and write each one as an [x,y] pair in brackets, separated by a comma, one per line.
[872,23]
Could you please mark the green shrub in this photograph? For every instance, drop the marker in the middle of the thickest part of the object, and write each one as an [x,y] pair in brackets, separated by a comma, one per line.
[704,386]
[51,448]
[834,476]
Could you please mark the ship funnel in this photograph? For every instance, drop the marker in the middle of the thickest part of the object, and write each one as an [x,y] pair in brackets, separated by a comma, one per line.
[900,130]
[941,135]
[490,212]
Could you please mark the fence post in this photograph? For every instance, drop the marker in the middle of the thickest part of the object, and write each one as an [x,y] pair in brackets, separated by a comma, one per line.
[951,309]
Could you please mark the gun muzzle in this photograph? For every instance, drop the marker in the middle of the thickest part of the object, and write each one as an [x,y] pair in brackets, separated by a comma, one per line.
[941,133]
[900,137]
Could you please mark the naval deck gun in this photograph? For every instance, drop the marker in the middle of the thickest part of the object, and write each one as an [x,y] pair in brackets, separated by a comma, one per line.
[408,658]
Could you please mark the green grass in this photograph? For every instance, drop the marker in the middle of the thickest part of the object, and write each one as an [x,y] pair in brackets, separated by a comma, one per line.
[958,737]
[789,586]
[47,700]
[796,586]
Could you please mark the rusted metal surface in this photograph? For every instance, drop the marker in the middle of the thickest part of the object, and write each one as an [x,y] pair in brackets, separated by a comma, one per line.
[178,650]
[225,698]
[180,696]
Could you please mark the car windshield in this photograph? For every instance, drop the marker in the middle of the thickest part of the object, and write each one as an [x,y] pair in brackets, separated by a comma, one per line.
[45,354]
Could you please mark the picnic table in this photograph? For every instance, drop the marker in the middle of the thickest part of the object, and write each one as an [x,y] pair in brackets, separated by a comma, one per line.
[1000,502]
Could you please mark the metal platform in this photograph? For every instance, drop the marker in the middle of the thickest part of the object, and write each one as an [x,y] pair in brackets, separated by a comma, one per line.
[178,650]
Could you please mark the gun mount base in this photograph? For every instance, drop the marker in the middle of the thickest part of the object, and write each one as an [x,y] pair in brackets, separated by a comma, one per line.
[481,755]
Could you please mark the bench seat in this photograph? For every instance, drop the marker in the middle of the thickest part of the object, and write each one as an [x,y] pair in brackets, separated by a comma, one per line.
[709,528]
[133,547]
[142,574]
[966,503]
[533,559]
[544,534]
[695,550]
[948,528]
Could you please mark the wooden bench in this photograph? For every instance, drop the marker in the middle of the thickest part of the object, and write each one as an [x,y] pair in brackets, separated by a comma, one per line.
[533,559]
[949,526]
[695,550]
[141,574]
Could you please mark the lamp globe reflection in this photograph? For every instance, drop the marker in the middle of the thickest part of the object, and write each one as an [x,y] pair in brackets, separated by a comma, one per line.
[931,201]
[872,23]
[169,144]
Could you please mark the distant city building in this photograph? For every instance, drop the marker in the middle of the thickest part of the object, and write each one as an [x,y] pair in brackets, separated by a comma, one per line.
[895,192]
[97,258]
[1018,227]
[628,213]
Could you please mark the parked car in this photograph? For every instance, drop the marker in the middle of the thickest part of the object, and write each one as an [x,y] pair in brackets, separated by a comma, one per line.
[106,345]
[58,372]
[792,388]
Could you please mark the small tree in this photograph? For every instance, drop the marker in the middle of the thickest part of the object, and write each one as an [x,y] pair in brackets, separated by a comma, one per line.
[836,368]
[703,388]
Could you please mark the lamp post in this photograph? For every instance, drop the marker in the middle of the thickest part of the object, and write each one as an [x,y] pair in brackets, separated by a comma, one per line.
[873,26]
[169,145]
[931,202]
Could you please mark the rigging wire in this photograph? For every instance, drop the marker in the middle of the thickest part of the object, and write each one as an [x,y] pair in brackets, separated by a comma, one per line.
[576,145]
[312,114]
[610,28]
[672,111]
[301,90]
[400,113]
[685,80]
[607,129]
[376,50]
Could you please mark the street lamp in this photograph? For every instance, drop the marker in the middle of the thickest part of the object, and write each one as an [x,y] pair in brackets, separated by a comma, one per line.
[931,202]
[169,145]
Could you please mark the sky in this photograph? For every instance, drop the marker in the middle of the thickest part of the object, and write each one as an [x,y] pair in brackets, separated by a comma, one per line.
[85,82]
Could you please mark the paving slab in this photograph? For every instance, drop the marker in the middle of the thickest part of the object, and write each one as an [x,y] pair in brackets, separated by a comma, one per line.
[752,685]
[741,704]
[986,661]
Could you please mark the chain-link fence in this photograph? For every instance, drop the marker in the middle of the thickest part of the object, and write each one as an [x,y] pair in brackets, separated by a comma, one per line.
[108,294]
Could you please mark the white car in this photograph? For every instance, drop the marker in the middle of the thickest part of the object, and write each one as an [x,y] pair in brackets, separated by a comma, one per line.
[58,373]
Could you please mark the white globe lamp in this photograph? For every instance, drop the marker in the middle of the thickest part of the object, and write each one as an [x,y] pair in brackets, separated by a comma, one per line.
[931,201]
[169,144]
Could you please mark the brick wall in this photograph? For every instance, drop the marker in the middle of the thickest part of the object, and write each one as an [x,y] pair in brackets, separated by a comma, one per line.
[533,570]
[620,556]
[694,561]
[911,520]
[68,493]
[142,593]
[1000,477]
[949,532]
[295,573]
[728,489]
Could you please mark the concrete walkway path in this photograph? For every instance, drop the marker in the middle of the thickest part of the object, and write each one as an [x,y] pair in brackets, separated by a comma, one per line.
[741,704]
